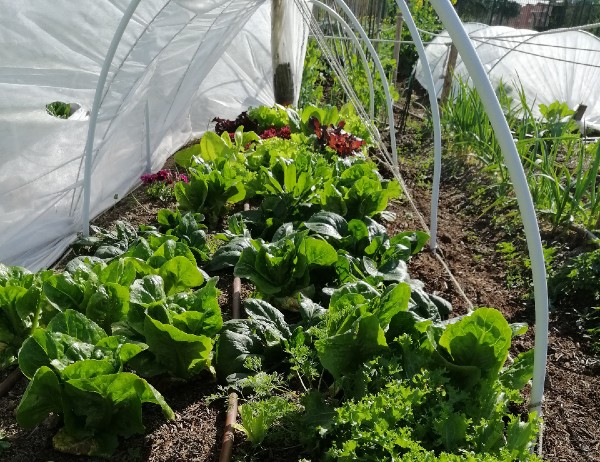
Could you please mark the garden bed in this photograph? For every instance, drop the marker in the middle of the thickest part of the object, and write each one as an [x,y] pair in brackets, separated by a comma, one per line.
[468,245]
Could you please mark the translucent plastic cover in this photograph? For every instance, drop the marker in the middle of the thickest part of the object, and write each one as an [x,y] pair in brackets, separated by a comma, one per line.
[179,64]
[556,66]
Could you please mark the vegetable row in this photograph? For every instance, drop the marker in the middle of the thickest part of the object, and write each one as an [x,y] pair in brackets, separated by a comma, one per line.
[335,322]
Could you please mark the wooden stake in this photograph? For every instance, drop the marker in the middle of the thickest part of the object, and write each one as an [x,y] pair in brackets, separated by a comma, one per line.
[579,112]
[399,24]
[283,81]
[449,73]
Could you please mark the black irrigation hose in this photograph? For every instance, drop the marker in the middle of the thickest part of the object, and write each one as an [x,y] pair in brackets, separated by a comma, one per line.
[10,381]
[232,400]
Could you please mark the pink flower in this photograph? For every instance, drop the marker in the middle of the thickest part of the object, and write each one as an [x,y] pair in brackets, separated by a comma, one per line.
[184,178]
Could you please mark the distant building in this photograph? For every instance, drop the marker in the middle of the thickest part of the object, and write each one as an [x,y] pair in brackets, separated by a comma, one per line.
[532,16]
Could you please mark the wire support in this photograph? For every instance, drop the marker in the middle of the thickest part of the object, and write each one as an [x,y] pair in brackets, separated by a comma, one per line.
[384,155]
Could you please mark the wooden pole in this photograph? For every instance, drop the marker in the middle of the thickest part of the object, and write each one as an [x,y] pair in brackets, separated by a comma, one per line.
[398,37]
[579,112]
[449,73]
[283,78]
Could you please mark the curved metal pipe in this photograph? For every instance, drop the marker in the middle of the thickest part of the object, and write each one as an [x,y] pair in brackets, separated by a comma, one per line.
[89,145]
[513,162]
[437,126]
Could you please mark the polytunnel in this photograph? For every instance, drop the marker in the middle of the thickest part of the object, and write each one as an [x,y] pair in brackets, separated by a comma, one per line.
[178,64]
[558,65]
[171,67]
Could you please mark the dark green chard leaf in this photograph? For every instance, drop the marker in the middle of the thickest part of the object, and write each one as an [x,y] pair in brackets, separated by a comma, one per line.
[237,342]
[262,334]
[229,254]
[328,224]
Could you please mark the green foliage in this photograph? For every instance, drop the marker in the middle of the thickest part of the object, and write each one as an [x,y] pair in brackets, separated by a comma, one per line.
[75,370]
[106,243]
[282,268]
[4,444]
[261,335]
[188,228]
[59,109]
[577,285]
[220,187]
[561,169]
[20,310]
[396,423]
[426,19]
[415,402]
[179,328]
[267,117]
[160,191]
[258,417]
[318,75]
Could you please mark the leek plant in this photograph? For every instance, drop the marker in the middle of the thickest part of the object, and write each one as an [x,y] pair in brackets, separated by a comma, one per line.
[561,168]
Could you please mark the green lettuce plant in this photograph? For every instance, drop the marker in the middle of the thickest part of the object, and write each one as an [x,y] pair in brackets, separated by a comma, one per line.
[76,372]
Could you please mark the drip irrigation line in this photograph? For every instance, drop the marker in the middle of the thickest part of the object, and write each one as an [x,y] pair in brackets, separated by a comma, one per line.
[232,399]
[10,381]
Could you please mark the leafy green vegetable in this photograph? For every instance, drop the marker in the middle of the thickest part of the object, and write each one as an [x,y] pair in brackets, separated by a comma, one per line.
[283,267]
[211,190]
[20,310]
[481,340]
[266,117]
[179,329]
[262,335]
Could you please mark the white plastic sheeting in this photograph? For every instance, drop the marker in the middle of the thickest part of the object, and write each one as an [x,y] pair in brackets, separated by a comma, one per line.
[179,64]
[549,66]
